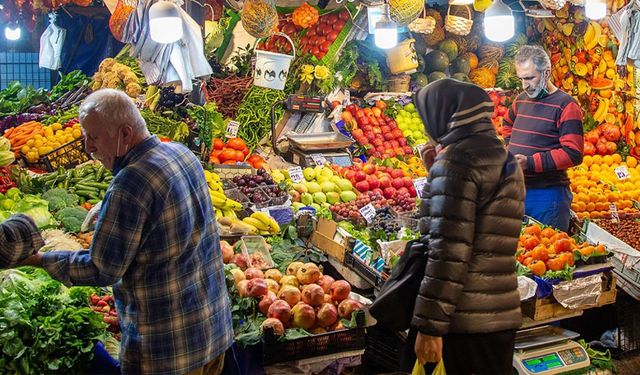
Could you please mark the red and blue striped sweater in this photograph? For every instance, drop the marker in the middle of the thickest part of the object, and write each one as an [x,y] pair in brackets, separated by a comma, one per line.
[549,132]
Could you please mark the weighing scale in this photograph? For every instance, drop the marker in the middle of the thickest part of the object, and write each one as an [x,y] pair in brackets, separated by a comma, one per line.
[548,350]
[311,149]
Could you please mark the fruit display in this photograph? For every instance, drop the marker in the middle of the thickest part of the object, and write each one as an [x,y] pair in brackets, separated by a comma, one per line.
[53,137]
[595,186]
[224,206]
[411,125]
[500,109]
[386,181]
[260,189]
[376,132]
[351,210]
[301,298]
[545,251]
[314,33]
[412,167]
[106,306]
[627,230]
[385,223]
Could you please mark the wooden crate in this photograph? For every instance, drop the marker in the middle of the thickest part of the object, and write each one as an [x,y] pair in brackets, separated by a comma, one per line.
[549,308]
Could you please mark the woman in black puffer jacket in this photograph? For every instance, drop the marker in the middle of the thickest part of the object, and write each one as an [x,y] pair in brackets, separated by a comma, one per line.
[468,307]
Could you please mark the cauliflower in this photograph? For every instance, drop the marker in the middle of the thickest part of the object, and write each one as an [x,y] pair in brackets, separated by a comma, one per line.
[110,80]
[130,77]
[120,70]
[133,90]
[97,76]
[106,64]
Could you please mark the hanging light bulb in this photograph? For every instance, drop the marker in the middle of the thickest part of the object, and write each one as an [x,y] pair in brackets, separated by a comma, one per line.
[499,24]
[165,23]
[12,31]
[595,9]
[386,34]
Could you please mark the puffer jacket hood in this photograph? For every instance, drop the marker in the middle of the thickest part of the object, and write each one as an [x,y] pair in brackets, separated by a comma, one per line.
[451,110]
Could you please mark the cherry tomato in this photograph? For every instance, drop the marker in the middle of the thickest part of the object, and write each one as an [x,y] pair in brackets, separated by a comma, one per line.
[344,15]
[339,25]
[324,47]
[332,36]
[315,50]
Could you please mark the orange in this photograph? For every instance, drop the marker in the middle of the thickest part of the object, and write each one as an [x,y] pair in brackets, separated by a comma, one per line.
[588,160]
[581,206]
[631,162]
[608,160]
[591,206]
[617,159]
[594,167]
[600,206]
[597,159]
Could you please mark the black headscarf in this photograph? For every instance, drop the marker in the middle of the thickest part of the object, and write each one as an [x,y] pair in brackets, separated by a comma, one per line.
[451,110]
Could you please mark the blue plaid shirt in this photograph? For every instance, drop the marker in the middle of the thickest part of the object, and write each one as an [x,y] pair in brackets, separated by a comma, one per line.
[156,242]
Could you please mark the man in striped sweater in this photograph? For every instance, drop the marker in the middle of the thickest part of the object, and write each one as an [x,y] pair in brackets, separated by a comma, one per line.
[543,129]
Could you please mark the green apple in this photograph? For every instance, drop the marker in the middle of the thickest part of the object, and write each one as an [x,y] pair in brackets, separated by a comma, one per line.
[344,185]
[326,172]
[313,187]
[315,206]
[309,174]
[347,196]
[333,197]
[297,205]
[328,186]
[306,199]
[320,179]
[319,198]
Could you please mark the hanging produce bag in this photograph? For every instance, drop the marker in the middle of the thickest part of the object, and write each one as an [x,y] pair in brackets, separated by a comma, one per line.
[119,19]
[259,18]
[51,43]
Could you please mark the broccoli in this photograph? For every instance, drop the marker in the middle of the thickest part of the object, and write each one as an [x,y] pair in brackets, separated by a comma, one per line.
[72,218]
[60,198]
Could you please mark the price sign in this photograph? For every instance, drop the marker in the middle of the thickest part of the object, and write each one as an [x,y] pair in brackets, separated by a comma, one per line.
[232,129]
[319,159]
[368,212]
[419,183]
[622,173]
[296,174]
[614,213]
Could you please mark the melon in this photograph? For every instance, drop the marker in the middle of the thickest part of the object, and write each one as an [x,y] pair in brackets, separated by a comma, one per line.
[471,58]
[601,83]
[460,65]
[421,79]
[490,64]
[507,77]
[461,77]
[434,76]
[449,47]
[436,61]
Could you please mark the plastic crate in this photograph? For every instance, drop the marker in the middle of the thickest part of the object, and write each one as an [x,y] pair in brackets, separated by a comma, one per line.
[372,276]
[67,156]
[384,349]
[230,171]
[277,351]
[628,314]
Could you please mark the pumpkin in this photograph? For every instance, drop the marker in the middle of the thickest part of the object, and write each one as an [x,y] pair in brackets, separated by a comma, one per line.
[305,16]
[259,18]
[471,58]
[483,77]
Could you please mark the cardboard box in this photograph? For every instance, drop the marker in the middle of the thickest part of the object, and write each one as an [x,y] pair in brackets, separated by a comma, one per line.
[331,239]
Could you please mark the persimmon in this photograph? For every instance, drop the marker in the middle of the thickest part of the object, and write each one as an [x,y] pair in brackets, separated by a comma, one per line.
[562,245]
[586,250]
[218,144]
[527,261]
[540,253]
[530,242]
[567,258]
[555,264]
[599,249]
[537,267]
[533,230]
[548,232]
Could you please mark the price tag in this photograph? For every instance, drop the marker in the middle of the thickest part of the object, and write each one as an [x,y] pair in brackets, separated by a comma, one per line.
[419,183]
[622,173]
[614,213]
[296,174]
[368,212]
[140,100]
[319,159]
[232,129]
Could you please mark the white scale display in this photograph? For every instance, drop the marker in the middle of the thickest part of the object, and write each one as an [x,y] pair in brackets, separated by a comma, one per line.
[548,351]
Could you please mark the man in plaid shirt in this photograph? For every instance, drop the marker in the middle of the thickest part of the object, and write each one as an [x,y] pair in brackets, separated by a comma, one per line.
[156,242]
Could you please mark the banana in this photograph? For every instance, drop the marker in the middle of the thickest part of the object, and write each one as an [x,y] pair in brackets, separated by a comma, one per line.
[233,205]
[225,221]
[219,213]
[594,36]
[264,232]
[218,195]
[217,202]
[256,223]
[275,228]
[229,213]
[601,111]
[589,34]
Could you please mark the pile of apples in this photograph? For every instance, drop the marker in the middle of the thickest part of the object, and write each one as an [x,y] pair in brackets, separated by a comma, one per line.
[602,140]
[411,125]
[302,298]
[378,133]
[387,181]
[500,110]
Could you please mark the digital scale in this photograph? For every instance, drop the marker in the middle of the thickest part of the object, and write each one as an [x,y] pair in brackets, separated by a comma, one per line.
[308,150]
[548,350]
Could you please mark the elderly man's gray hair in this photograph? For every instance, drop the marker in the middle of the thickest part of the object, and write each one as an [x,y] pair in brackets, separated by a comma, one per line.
[114,109]
[535,54]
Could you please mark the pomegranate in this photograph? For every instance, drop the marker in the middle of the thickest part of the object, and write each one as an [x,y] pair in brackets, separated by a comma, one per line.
[257,288]
[272,285]
[266,302]
[280,310]
[273,274]
[242,288]
[303,316]
[253,273]
[289,280]
[292,269]
[347,307]
[275,324]
[327,315]
[290,294]
[308,273]
[325,282]
[240,261]
[340,290]
[227,251]
[238,275]
[313,295]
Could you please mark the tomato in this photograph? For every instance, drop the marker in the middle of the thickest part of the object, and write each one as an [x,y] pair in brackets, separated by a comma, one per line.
[324,47]
[311,32]
[332,36]
[315,50]
[338,25]
[240,155]
[245,151]
[218,144]
[344,15]
[227,154]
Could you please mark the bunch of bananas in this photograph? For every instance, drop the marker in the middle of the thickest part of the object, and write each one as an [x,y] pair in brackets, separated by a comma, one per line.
[257,223]
[225,207]
[602,110]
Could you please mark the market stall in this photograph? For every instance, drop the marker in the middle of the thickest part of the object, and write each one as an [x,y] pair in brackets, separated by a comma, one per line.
[303,119]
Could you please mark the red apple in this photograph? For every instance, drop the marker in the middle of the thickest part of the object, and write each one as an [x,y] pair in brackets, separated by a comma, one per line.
[373,182]
[362,186]
[412,192]
[369,168]
[385,181]
[395,173]
[397,183]
[408,182]
[360,176]
[389,192]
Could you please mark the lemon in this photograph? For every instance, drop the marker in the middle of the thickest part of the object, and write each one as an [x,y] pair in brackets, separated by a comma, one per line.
[56,126]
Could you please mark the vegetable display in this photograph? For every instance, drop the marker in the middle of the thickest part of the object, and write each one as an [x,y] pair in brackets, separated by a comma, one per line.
[254,114]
